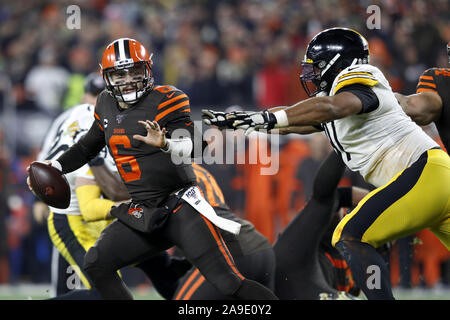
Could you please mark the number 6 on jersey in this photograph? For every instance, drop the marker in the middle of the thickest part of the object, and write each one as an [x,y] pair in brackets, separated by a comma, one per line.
[135,173]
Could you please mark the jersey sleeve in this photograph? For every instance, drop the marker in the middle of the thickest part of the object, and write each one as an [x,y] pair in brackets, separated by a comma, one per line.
[174,105]
[355,75]
[84,150]
[427,82]
[174,111]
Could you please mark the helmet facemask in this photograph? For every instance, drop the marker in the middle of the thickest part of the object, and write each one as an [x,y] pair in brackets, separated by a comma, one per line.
[311,78]
[322,74]
[318,73]
[128,83]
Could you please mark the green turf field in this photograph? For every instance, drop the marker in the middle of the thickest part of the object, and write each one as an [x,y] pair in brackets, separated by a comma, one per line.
[40,292]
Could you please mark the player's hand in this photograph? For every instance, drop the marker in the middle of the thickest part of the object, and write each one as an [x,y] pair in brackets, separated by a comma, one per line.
[156,137]
[48,162]
[257,121]
[224,120]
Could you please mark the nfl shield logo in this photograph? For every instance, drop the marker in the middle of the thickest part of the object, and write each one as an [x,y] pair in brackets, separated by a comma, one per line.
[119,118]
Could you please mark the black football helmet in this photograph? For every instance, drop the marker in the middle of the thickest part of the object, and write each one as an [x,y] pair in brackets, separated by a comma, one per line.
[328,53]
[94,84]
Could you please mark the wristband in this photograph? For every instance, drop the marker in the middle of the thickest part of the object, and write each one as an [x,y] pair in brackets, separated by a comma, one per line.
[282,119]
[56,164]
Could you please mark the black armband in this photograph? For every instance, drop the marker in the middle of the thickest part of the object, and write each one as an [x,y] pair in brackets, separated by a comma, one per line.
[318,127]
[368,98]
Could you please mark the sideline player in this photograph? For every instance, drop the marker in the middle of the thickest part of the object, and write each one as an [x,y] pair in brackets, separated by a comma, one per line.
[366,125]
[153,180]
[431,101]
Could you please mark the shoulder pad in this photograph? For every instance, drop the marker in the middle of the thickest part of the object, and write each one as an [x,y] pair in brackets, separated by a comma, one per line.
[364,74]
[166,88]
[174,103]
[427,81]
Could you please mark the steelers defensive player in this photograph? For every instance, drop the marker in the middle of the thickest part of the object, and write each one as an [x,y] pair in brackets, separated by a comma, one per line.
[148,224]
[75,229]
[251,251]
[366,125]
[431,101]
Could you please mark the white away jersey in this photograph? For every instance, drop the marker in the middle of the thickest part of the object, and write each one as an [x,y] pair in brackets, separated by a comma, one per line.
[65,131]
[380,143]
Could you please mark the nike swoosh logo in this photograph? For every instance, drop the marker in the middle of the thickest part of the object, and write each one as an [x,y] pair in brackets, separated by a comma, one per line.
[170,95]
[188,124]
[350,69]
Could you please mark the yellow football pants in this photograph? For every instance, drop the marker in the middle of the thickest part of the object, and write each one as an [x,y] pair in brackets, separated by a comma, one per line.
[416,198]
[73,237]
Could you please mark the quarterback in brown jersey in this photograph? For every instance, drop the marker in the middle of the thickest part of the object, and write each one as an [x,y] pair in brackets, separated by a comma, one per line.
[431,103]
[166,208]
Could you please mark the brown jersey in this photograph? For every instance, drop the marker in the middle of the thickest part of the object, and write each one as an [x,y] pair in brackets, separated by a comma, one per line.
[438,80]
[149,174]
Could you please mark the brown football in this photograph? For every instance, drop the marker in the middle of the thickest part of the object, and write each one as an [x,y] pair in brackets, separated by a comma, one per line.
[50,185]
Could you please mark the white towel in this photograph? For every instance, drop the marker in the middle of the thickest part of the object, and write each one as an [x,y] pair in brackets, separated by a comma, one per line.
[194,197]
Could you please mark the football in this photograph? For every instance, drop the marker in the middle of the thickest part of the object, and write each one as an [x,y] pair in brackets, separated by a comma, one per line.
[50,185]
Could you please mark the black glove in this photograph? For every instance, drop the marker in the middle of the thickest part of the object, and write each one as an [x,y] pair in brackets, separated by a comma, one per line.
[224,120]
[256,121]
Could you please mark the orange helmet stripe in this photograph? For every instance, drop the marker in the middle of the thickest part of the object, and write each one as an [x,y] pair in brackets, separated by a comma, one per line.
[124,48]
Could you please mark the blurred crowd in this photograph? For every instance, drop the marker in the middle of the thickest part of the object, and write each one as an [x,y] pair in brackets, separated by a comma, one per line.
[221,53]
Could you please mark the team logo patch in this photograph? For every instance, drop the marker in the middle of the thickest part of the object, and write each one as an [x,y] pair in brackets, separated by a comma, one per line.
[136,212]
[49,191]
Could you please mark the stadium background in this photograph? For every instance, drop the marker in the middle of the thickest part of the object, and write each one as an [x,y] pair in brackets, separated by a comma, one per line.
[221,53]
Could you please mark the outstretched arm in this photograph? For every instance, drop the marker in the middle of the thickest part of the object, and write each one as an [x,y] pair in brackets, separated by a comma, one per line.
[423,108]
[317,110]
[352,99]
